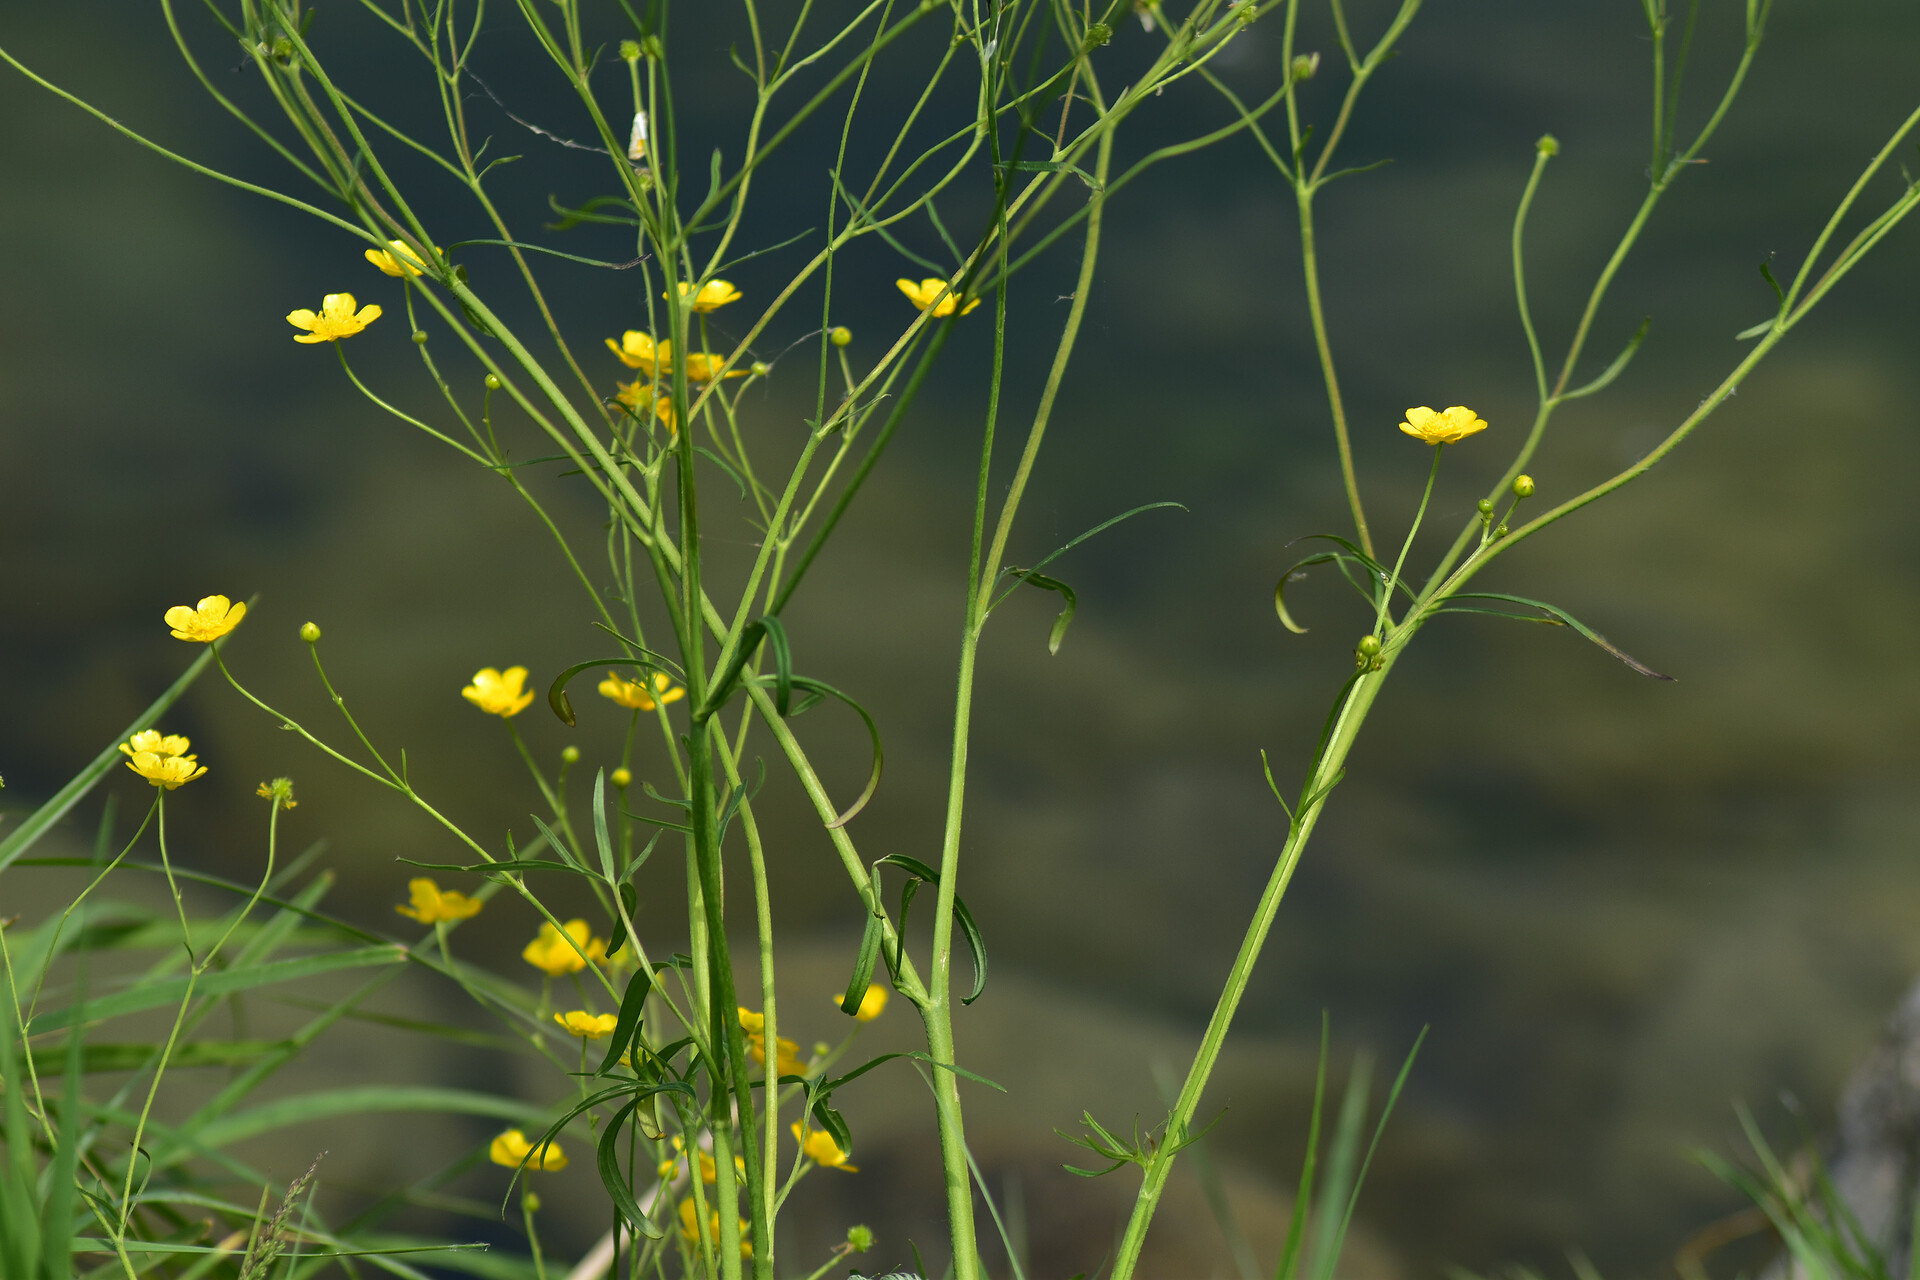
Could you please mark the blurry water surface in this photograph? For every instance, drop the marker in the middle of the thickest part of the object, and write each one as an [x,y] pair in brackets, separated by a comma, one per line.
[1620,905]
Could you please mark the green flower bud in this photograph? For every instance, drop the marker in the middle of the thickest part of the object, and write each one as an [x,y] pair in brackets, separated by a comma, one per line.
[419,337]
[1523,486]
[621,778]
[1369,647]
[570,755]
[1484,506]
[761,368]
[493,382]
[1097,34]
[1548,145]
[283,48]
[860,1239]
[1501,532]
[530,1202]
[310,632]
[630,50]
[840,335]
[1304,66]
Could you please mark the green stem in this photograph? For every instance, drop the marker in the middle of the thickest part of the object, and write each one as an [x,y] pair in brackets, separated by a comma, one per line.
[1384,616]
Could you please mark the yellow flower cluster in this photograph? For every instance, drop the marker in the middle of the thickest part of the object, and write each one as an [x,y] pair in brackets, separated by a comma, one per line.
[161,759]
[638,350]
[339,317]
[499,693]
[558,954]
[819,1147]
[207,621]
[787,1061]
[432,904]
[514,1151]
[637,695]
[1456,424]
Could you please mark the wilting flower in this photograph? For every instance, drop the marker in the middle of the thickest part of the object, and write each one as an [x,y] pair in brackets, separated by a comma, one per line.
[820,1148]
[713,295]
[338,318]
[513,1150]
[279,791]
[1455,424]
[922,295]
[499,693]
[207,621]
[690,1230]
[396,260]
[432,904]
[165,771]
[587,1026]
[637,695]
[872,1004]
[153,740]
[557,954]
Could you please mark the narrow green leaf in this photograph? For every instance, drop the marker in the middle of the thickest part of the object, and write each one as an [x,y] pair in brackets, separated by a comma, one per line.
[976,943]
[1060,624]
[632,1006]
[557,691]
[863,963]
[362,1100]
[618,1185]
[1560,617]
[1290,1253]
[1618,366]
[149,995]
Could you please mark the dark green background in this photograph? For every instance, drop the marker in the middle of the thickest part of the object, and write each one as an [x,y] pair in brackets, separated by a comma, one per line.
[1620,905]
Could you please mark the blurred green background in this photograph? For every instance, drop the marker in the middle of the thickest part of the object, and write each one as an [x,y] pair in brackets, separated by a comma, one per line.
[1620,905]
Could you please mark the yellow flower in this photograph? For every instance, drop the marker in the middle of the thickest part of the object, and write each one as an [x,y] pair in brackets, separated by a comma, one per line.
[637,395]
[872,1004]
[397,260]
[702,366]
[338,319]
[922,295]
[713,295]
[788,1062]
[636,351]
[1457,423]
[279,791]
[670,1168]
[512,1150]
[820,1148]
[431,903]
[165,771]
[636,695]
[587,1026]
[207,621]
[171,744]
[498,693]
[750,1022]
[690,1230]
[555,955]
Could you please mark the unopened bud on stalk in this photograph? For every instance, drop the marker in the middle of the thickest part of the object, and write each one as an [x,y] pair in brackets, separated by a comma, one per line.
[1548,145]
[1484,506]
[1304,65]
[761,368]
[310,632]
[569,755]
[283,48]
[1368,648]
[840,335]
[530,1202]
[1097,34]
[1523,486]
[1501,532]
[419,337]
[493,382]
[621,778]
[859,1239]
[630,50]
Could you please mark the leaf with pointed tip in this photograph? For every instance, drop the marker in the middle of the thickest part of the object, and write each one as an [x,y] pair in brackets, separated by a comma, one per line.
[1556,616]
[1615,369]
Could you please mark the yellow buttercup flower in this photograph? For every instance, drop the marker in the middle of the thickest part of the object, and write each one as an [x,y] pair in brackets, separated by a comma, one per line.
[872,1004]
[556,956]
[339,317]
[499,693]
[637,395]
[637,695]
[397,260]
[170,772]
[1455,424]
[432,904]
[787,1062]
[207,621]
[713,295]
[587,1026]
[922,295]
[171,744]
[709,1173]
[820,1148]
[702,366]
[636,351]
[690,1230]
[514,1151]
